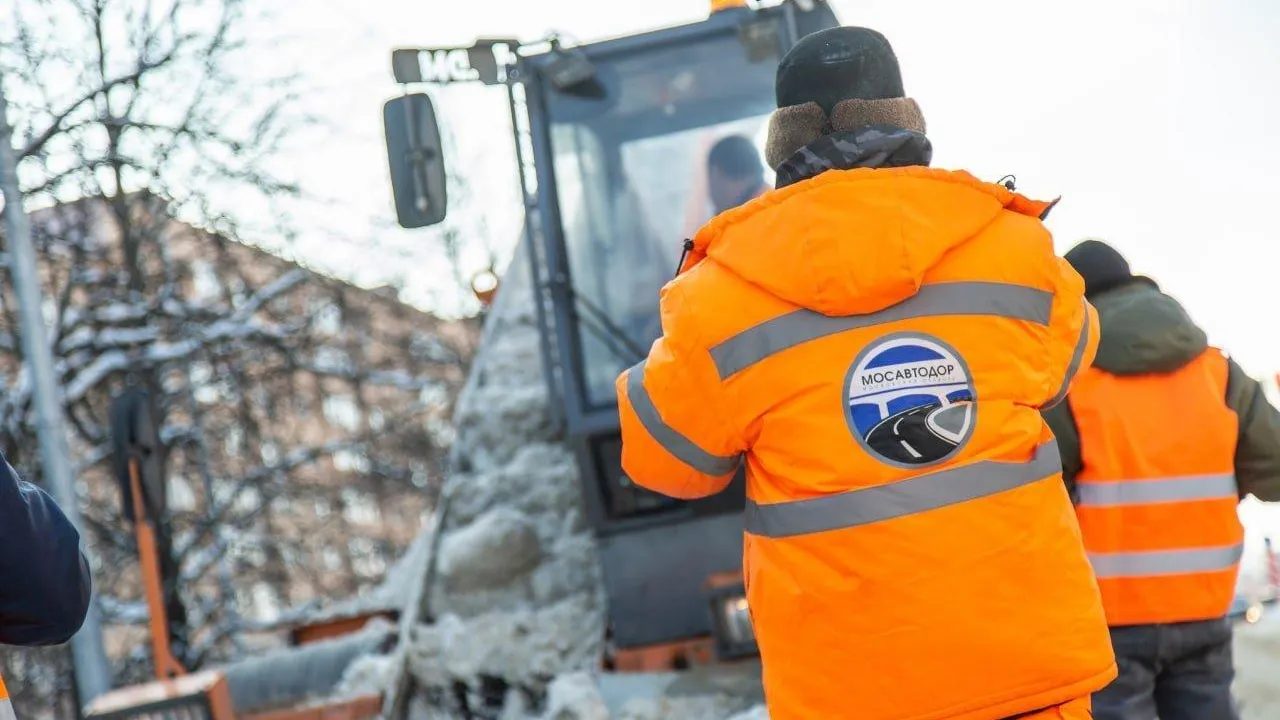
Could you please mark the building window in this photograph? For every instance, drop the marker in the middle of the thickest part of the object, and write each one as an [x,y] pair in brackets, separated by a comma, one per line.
[281,505]
[234,440]
[239,292]
[424,346]
[204,280]
[328,316]
[442,432]
[352,461]
[420,475]
[341,410]
[205,389]
[181,497]
[332,559]
[366,558]
[263,399]
[330,359]
[265,605]
[434,396]
[359,508]
[248,500]
[249,553]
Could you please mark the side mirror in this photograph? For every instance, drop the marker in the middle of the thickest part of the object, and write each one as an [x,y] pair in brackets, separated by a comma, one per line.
[416,158]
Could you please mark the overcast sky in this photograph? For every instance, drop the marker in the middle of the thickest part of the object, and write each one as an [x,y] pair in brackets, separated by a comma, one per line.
[1149,118]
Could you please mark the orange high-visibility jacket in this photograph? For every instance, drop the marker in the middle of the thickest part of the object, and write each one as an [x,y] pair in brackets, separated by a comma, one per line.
[875,345]
[1157,491]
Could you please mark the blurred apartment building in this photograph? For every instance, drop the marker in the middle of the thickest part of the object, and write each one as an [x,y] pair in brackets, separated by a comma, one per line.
[306,420]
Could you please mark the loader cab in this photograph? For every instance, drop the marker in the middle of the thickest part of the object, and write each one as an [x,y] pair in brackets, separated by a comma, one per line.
[612,139]
[626,184]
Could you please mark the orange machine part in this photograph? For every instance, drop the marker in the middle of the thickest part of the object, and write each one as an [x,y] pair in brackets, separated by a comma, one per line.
[165,664]
[210,683]
[485,295]
[718,580]
[667,656]
[718,5]
[684,653]
[329,629]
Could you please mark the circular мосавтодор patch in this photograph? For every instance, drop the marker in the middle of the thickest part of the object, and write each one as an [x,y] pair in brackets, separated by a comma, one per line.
[910,400]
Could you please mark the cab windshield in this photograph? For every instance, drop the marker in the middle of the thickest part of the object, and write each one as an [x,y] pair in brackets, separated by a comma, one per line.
[633,179]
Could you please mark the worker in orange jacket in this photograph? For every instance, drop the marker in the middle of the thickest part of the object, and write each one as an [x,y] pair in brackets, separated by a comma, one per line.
[1160,439]
[875,339]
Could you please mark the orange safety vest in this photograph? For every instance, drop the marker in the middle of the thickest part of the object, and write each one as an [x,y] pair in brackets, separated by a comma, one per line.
[1158,495]
[6,705]
[875,345]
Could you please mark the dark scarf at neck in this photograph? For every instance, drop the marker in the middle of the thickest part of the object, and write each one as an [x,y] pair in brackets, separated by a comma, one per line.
[873,146]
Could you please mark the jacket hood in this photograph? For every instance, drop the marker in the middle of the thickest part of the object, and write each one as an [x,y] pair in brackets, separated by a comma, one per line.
[850,242]
[1144,331]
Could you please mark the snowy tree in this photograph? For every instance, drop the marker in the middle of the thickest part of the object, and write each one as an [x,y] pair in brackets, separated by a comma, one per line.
[302,418]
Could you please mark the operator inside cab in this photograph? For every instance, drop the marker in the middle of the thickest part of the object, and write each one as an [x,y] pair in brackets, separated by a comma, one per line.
[735,173]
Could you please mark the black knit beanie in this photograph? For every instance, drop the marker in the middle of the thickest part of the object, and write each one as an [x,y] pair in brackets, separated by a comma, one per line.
[841,63]
[837,80]
[1102,267]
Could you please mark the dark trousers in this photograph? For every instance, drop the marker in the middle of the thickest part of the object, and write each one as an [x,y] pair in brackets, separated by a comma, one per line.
[1180,671]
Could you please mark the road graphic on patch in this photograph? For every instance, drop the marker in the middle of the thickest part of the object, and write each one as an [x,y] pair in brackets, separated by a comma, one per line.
[910,400]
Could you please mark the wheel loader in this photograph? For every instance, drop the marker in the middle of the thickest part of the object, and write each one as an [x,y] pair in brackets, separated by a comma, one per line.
[611,146]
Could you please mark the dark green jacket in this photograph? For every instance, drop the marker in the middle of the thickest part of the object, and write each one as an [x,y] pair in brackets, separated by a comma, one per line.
[1145,331]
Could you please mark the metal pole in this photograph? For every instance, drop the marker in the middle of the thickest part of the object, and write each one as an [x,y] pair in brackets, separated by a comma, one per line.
[87,652]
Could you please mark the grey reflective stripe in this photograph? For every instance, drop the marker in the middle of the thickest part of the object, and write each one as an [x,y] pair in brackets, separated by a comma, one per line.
[684,449]
[1165,490]
[6,710]
[905,497]
[1165,562]
[1015,302]
[1077,357]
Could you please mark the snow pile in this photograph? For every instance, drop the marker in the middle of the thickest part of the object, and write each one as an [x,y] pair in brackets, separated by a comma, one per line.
[708,707]
[367,675]
[514,620]
[517,598]
[296,676]
[575,697]
[705,695]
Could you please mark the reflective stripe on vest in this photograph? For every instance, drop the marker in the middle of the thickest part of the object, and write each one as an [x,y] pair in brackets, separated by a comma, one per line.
[6,705]
[994,299]
[1157,495]
[1141,492]
[1155,563]
[1077,358]
[906,497]
[680,447]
